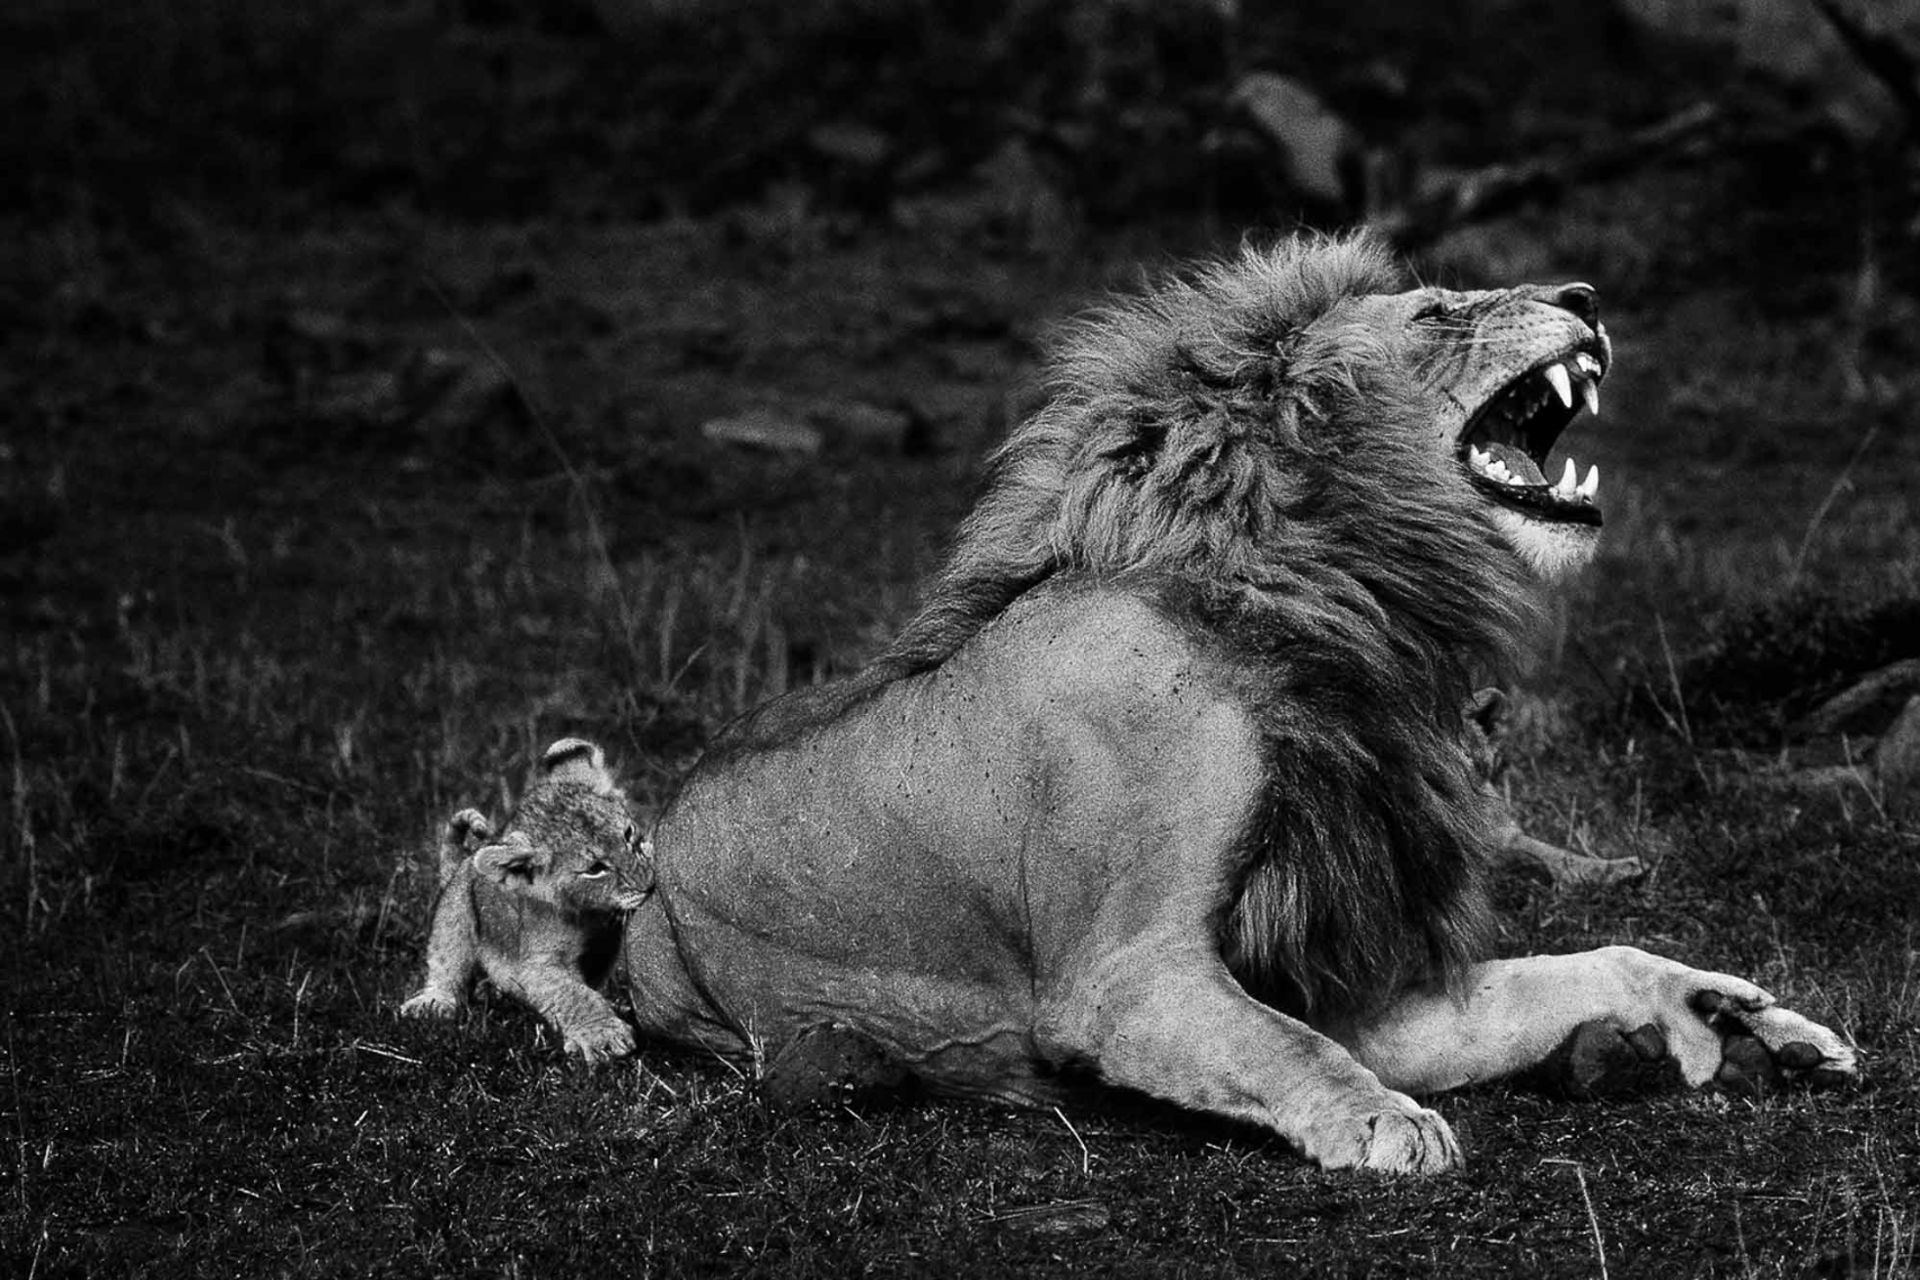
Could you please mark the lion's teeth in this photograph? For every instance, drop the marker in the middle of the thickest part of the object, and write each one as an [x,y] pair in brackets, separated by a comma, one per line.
[1588,365]
[1590,392]
[1591,485]
[1562,385]
[1568,477]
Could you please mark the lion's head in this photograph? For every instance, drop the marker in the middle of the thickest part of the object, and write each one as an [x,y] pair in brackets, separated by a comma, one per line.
[1504,371]
[1297,420]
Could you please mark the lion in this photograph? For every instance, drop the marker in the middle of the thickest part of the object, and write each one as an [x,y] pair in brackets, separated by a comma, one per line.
[1512,846]
[1167,787]
[539,908]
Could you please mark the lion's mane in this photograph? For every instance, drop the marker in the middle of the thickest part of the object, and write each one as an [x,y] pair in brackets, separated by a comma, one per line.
[1274,484]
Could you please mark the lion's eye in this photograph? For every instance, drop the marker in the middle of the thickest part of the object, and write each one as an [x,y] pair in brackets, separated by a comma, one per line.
[632,835]
[1435,310]
[595,870]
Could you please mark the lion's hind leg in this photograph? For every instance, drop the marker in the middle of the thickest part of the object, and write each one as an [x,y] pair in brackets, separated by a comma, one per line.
[1172,1023]
[1566,869]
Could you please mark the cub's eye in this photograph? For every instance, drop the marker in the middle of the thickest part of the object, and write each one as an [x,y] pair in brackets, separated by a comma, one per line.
[632,836]
[595,870]
[1435,310]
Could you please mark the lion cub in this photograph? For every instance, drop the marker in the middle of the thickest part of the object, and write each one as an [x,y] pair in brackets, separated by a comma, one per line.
[540,906]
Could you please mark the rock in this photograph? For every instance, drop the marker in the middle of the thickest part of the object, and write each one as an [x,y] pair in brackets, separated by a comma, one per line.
[1794,43]
[1062,1219]
[1318,149]
[869,426]
[854,145]
[1009,194]
[765,429]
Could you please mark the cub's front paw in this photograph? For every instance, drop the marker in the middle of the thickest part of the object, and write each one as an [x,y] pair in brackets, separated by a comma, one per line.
[430,1004]
[600,1042]
[1389,1134]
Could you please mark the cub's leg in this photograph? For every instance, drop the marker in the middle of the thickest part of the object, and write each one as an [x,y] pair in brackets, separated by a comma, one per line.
[452,952]
[588,1025]
[1617,1003]
[452,948]
[589,1028]
[1167,1019]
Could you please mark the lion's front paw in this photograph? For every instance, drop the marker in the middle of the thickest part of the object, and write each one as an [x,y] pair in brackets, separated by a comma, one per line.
[1763,1045]
[1717,1027]
[600,1042]
[1395,1135]
[430,1004]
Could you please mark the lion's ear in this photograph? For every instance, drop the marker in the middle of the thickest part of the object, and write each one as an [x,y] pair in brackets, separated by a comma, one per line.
[511,863]
[576,760]
[1486,708]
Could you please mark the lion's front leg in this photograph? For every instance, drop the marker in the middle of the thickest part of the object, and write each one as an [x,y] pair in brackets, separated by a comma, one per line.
[1176,1026]
[1596,1014]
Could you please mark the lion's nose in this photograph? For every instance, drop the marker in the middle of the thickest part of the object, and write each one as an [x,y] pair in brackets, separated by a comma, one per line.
[1581,299]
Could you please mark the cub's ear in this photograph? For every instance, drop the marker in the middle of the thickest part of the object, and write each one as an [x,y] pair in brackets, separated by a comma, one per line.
[576,760]
[511,864]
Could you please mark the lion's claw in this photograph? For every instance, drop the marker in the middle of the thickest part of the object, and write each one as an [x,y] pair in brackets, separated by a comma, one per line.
[1399,1136]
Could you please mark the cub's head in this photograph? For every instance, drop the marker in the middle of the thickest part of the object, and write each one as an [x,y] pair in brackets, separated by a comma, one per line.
[573,842]
[1503,372]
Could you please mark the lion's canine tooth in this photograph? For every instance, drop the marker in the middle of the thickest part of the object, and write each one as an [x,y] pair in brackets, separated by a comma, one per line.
[1568,477]
[1562,385]
[1591,485]
[1590,392]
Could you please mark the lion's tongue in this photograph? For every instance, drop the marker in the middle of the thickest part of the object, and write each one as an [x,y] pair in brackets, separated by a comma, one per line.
[1519,466]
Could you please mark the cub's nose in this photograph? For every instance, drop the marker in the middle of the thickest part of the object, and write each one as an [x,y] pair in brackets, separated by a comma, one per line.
[1581,299]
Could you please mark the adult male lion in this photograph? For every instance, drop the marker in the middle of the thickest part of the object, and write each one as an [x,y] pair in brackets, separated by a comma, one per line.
[1166,785]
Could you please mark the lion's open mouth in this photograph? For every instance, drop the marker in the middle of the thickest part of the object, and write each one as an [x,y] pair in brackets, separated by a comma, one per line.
[1504,448]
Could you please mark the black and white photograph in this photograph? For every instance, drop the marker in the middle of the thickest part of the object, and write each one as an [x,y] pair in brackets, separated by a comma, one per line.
[1213,638]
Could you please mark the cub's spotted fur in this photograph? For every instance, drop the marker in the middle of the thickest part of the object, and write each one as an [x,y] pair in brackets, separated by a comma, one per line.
[540,906]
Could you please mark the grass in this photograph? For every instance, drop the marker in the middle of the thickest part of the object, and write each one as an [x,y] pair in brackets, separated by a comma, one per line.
[248,679]
[272,614]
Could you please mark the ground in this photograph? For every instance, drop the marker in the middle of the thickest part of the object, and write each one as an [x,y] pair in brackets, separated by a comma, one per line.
[316,526]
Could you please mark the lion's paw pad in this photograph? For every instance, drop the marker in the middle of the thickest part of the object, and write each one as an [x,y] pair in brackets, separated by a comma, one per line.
[1766,1046]
[1600,1059]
